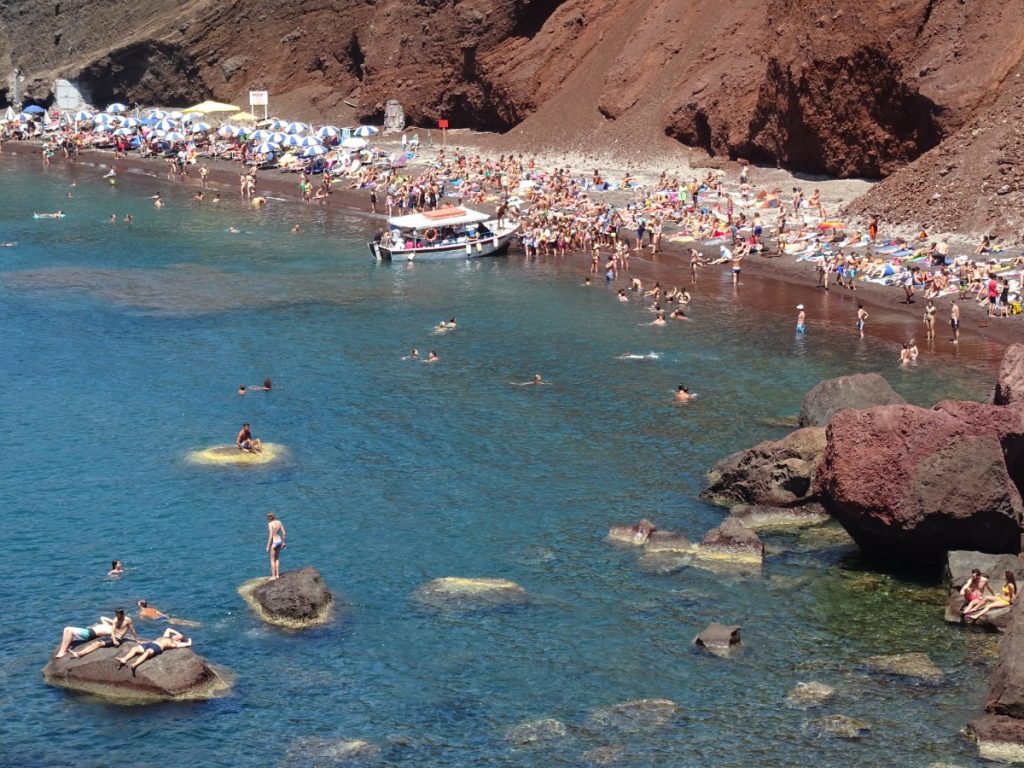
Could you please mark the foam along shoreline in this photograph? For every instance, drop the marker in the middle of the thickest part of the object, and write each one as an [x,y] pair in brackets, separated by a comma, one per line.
[671,266]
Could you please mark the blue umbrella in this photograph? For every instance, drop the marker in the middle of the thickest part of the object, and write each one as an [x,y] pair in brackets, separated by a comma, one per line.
[117,107]
[277,138]
[33,109]
[261,135]
[199,127]
[365,130]
[83,116]
[313,151]
[266,148]
[297,128]
[166,125]
[328,131]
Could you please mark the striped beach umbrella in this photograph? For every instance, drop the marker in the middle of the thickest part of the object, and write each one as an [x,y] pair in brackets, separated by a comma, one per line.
[103,118]
[309,141]
[297,128]
[174,136]
[84,116]
[278,125]
[199,127]
[116,108]
[365,130]
[277,138]
[314,150]
[229,130]
[124,132]
[260,135]
[176,115]
[101,128]
[266,148]
[158,114]
[166,124]
[292,141]
[327,132]
[130,122]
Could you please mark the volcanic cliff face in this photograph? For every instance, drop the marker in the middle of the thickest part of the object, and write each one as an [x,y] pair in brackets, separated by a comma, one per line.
[840,87]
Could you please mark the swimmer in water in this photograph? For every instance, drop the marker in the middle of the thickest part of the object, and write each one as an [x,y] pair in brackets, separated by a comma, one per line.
[268,385]
[586,281]
[113,218]
[241,389]
[905,355]
[295,229]
[683,394]
[149,613]
[414,354]
[127,218]
[198,196]
[913,350]
[233,231]
[157,201]
[659,318]
[431,358]
[622,295]
[116,569]
[216,197]
[536,380]
[631,356]
[678,314]
[54,215]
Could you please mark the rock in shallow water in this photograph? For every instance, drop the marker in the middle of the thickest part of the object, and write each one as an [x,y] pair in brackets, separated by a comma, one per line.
[298,600]
[458,592]
[861,390]
[718,639]
[759,517]
[320,752]
[176,675]
[634,715]
[732,541]
[536,731]
[839,726]
[807,695]
[636,535]
[915,666]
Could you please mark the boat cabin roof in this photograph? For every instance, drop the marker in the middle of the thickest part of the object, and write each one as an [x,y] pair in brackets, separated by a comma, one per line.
[442,217]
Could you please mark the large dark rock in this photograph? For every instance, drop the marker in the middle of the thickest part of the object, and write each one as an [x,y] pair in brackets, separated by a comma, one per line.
[861,390]
[1006,687]
[1010,383]
[732,539]
[775,473]
[175,675]
[297,600]
[999,738]
[632,534]
[960,563]
[1005,422]
[912,483]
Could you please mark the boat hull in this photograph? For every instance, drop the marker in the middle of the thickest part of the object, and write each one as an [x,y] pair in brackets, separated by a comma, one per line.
[492,246]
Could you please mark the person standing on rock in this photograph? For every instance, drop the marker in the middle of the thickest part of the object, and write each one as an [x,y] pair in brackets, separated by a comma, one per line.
[954,319]
[275,543]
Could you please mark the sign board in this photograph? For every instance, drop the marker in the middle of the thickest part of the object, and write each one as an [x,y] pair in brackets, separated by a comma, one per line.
[257,98]
[442,124]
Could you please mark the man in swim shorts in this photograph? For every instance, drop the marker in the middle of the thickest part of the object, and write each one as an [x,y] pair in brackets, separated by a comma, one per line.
[275,543]
[801,318]
[170,640]
[954,319]
[246,442]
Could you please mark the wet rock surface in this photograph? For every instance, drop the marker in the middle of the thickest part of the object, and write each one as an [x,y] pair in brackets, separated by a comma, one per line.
[860,390]
[298,600]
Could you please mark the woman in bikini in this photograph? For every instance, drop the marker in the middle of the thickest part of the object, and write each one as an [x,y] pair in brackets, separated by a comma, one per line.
[1005,598]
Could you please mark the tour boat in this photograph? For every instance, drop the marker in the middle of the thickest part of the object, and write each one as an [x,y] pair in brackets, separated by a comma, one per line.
[447,233]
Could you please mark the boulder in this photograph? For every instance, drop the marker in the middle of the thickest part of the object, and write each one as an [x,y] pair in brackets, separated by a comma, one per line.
[1005,422]
[778,473]
[762,518]
[718,639]
[999,738]
[807,695]
[634,715]
[1006,686]
[666,541]
[861,390]
[1010,382]
[996,620]
[839,726]
[325,752]
[176,675]
[913,666]
[733,541]
[298,600]
[610,754]
[536,731]
[960,563]
[632,534]
[912,483]
[454,592]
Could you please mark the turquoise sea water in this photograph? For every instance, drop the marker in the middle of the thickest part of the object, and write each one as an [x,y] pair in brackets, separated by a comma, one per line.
[121,351]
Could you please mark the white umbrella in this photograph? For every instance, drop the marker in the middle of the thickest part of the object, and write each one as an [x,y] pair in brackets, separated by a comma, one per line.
[309,141]
[230,130]
[277,125]
[266,148]
[260,135]
[174,136]
[117,107]
[157,114]
[83,116]
[365,130]
[102,118]
[101,128]
[199,127]
[166,125]
[292,141]
[353,142]
[328,132]
[277,138]
[129,122]
[297,128]
[124,132]
[315,149]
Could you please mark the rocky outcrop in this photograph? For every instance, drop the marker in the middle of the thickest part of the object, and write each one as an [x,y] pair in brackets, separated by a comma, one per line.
[812,694]
[839,726]
[176,675]
[916,667]
[636,535]
[959,565]
[634,715]
[762,518]
[536,732]
[298,600]
[912,483]
[778,473]
[453,592]
[1000,731]
[718,639]
[1010,383]
[325,752]
[732,540]
[861,390]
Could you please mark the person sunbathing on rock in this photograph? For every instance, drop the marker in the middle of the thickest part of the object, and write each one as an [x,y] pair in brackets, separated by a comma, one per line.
[170,640]
[103,628]
[1005,598]
[974,591]
[121,627]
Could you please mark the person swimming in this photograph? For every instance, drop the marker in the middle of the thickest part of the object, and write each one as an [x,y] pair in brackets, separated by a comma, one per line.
[683,394]
[54,215]
[678,314]
[116,569]
[659,318]
[414,354]
[532,382]
[241,389]
[431,358]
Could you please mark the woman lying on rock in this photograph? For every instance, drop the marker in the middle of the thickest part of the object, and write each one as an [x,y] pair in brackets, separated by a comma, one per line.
[121,627]
[1005,598]
[171,639]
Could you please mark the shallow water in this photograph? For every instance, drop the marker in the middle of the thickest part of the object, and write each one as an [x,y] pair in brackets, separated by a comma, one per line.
[123,347]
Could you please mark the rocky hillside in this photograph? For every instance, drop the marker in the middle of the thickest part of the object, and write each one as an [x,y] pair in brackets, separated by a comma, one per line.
[841,87]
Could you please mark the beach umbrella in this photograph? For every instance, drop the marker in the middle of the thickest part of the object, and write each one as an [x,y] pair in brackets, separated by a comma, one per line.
[211,107]
[353,142]
[230,130]
[174,136]
[186,118]
[33,109]
[83,116]
[166,124]
[159,114]
[277,138]
[296,128]
[266,148]
[101,128]
[314,150]
[260,135]
[102,118]
[309,141]
[130,122]
[328,132]
[176,115]
[365,130]
[199,127]
[277,125]
[292,141]
[124,132]
[116,108]
[244,117]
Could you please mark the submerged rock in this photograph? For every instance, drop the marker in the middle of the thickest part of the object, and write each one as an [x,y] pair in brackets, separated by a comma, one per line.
[637,714]
[1010,382]
[175,675]
[861,390]
[812,694]
[229,455]
[606,755]
[839,726]
[733,541]
[298,600]
[320,752]
[536,731]
[760,518]
[666,541]
[776,473]
[718,639]
[632,534]
[457,592]
[916,666]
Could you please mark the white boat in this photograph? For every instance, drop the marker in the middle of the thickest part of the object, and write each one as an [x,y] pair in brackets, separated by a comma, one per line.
[447,233]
